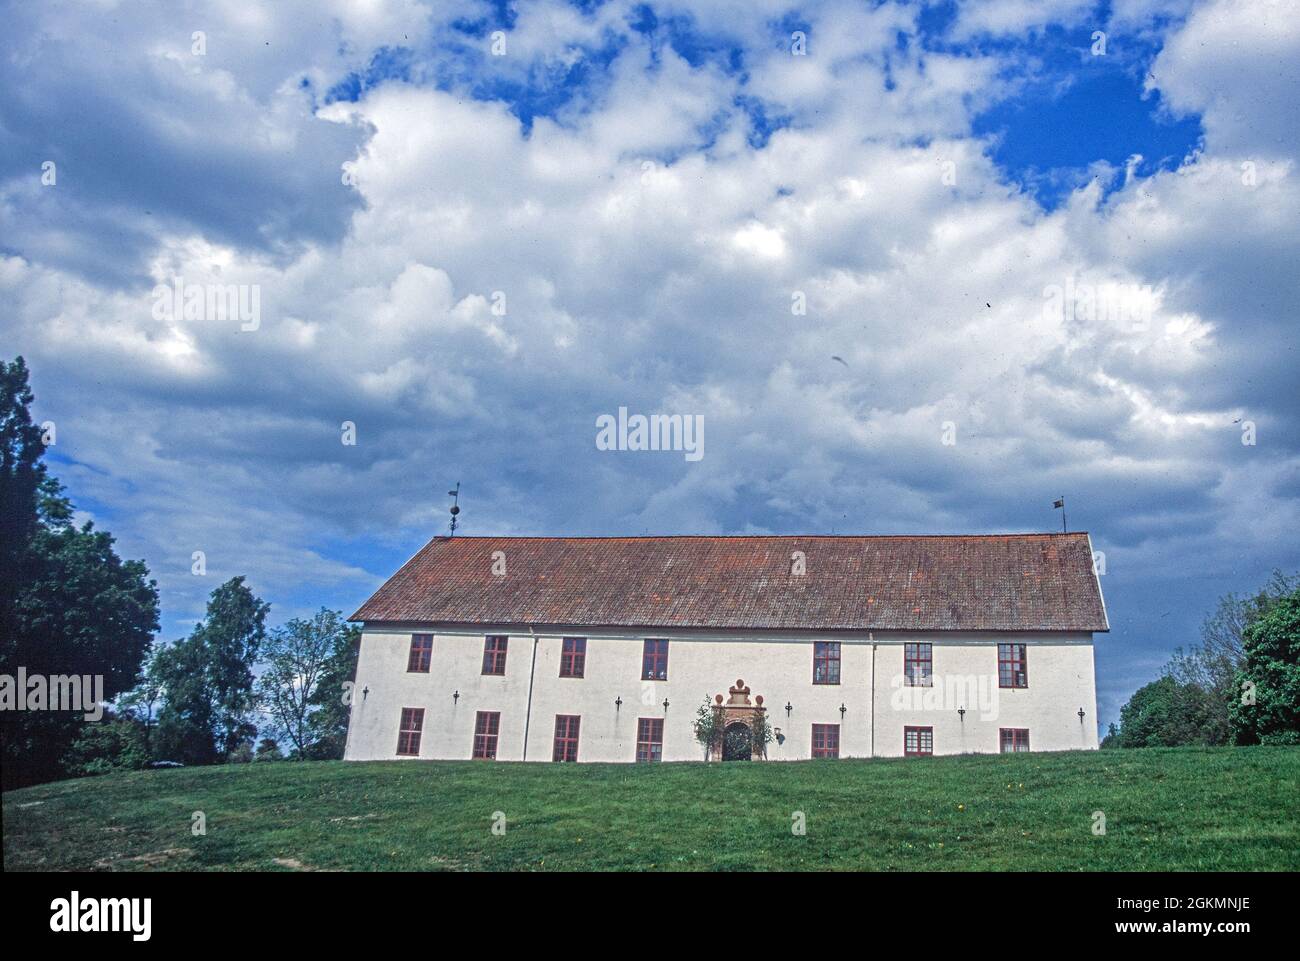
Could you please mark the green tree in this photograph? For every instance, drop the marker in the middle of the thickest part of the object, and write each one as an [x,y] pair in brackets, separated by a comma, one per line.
[141,700]
[232,636]
[1160,714]
[186,728]
[1266,709]
[68,603]
[298,656]
[760,733]
[267,750]
[709,728]
[1211,667]
[241,754]
[207,680]
[1195,701]
[21,476]
[331,702]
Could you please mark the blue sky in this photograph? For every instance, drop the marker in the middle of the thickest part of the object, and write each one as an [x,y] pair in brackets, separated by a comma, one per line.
[475,227]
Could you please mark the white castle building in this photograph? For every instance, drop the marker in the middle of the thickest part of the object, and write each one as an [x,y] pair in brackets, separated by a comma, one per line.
[604,649]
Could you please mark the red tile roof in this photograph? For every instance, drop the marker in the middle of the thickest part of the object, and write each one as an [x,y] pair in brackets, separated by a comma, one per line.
[1011,582]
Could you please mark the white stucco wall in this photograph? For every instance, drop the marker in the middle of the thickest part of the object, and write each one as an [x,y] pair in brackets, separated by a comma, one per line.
[778,666]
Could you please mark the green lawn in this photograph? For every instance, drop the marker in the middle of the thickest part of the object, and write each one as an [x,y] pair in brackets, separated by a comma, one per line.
[1178,809]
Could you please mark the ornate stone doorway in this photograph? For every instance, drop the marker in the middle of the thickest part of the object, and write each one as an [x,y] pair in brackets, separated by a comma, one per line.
[737,742]
[738,717]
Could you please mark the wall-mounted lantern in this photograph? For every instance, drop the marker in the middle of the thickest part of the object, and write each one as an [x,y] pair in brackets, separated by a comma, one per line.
[961,714]
[788,708]
[455,697]
[618,704]
[842,710]
[1080,715]
[665,704]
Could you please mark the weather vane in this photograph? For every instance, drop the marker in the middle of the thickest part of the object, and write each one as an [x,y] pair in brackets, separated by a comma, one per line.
[455,506]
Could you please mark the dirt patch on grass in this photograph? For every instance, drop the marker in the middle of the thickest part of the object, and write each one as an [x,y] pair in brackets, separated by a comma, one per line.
[448,864]
[152,859]
[293,864]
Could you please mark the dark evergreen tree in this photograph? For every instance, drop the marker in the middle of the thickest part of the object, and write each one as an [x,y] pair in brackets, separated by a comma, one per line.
[68,604]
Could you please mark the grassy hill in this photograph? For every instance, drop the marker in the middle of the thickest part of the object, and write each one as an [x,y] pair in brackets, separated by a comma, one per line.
[1179,809]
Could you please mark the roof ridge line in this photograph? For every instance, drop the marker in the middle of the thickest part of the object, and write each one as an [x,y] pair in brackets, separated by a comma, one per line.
[719,537]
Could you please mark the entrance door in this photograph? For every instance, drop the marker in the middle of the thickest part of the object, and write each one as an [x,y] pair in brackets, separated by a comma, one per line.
[737,742]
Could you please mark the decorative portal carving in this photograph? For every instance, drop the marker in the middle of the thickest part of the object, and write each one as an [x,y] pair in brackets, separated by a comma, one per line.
[738,716]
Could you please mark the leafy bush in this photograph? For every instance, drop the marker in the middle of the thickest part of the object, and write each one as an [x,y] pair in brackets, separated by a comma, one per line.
[116,744]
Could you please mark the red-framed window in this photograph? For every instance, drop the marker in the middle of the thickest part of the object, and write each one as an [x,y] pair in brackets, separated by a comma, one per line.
[421,653]
[487,724]
[573,657]
[494,654]
[918,741]
[825,740]
[654,659]
[918,664]
[408,732]
[1013,669]
[826,662]
[1013,739]
[650,738]
[566,737]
